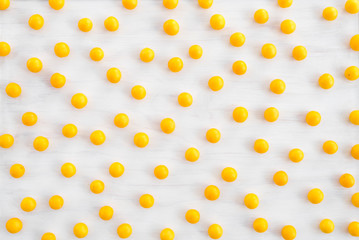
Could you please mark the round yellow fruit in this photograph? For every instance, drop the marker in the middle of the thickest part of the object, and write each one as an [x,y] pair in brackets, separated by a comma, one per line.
[116,169]
[28,204]
[40,143]
[315,195]
[13,225]
[313,118]
[326,226]
[353,229]
[261,146]
[5,49]
[79,100]
[260,225]
[69,130]
[138,92]
[330,147]
[195,51]
[354,117]
[215,83]
[251,201]
[48,236]
[355,199]
[288,26]
[58,80]
[237,39]
[168,125]
[185,99]
[171,27]
[175,64]
[167,234]
[192,216]
[205,3]
[111,24]
[161,172]
[240,114]
[229,174]
[68,170]
[97,137]
[61,49]
[215,231]
[106,213]
[289,232]
[97,186]
[352,6]
[36,21]
[13,90]
[277,86]
[147,201]
[29,119]
[85,24]
[269,51]
[80,230]
[354,42]
[113,75]
[141,139]
[285,3]
[347,180]
[352,73]
[299,53]
[57,4]
[17,170]
[213,135]
[56,202]
[170,4]
[121,120]
[217,22]
[212,192]
[271,114]
[330,13]
[34,65]
[4,4]
[261,16]
[124,230]
[6,140]
[97,54]
[239,67]
[326,81]
[296,155]
[355,151]
[129,4]
[280,178]
[192,154]
[147,55]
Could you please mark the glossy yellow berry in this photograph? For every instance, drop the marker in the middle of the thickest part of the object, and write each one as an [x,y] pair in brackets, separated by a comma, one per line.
[269,51]
[4,4]
[330,147]
[289,232]
[299,53]
[170,4]
[192,154]
[171,27]
[195,52]
[260,225]
[6,140]
[69,130]
[326,226]
[215,83]
[85,24]
[215,231]
[277,86]
[79,100]
[96,54]
[354,42]
[28,204]
[285,3]
[355,151]
[5,49]
[354,117]
[113,75]
[271,114]
[57,80]
[17,170]
[13,225]
[315,195]
[185,99]
[352,73]
[56,202]
[212,192]
[213,135]
[296,155]
[147,201]
[251,201]
[106,213]
[175,64]
[116,169]
[57,4]
[352,6]
[205,3]
[353,229]
[280,178]
[313,118]
[229,174]
[239,67]
[261,16]
[97,186]
[161,172]
[34,65]
[330,13]
[68,170]
[41,143]
[167,234]
[168,125]
[13,90]
[121,120]
[217,22]
[48,236]
[97,137]
[237,39]
[326,81]
[147,55]
[129,4]
[36,22]
[111,24]
[288,26]
[138,92]
[80,230]
[192,216]
[347,180]
[355,199]
[124,230]
[240,114]
[141,139]
[61,49]
[261,146]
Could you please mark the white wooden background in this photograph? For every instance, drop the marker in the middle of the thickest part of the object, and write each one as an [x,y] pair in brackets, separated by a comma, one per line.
[328,52]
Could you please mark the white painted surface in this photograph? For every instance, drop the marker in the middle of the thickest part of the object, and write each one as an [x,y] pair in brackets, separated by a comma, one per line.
[328,51]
